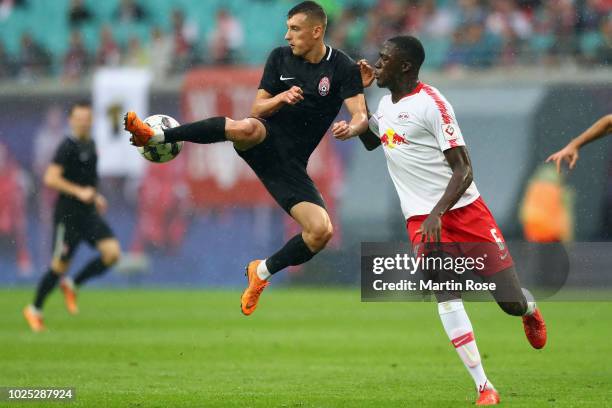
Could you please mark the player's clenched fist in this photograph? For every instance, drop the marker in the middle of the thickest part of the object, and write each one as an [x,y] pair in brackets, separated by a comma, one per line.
[342,130]
[292,96]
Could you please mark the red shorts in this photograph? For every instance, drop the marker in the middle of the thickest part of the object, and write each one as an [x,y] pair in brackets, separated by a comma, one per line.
[474,233]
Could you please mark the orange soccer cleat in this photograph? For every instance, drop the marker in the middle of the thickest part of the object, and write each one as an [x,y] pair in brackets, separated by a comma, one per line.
[141,132]
[250,296]
[535,329]
[70,296]
[34,319]
[488,397]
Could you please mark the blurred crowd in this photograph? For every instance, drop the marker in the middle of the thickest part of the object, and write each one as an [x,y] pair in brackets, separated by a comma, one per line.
[166,52]
[483,34]
[457,34]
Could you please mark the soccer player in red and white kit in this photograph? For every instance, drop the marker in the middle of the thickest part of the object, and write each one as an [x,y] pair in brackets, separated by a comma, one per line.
[431,170]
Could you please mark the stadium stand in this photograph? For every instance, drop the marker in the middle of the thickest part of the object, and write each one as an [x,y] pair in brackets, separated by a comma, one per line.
[471,33]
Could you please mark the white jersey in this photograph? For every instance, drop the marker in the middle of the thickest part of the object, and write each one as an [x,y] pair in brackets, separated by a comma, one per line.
[414,133]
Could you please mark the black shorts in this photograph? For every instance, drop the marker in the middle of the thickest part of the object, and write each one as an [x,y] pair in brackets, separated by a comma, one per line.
[284,177]
[72,227]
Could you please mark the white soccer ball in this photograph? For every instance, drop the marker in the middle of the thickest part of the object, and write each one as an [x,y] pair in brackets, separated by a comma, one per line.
[163,152]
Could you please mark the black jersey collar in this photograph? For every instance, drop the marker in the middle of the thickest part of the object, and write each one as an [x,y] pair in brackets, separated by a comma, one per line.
[326,57]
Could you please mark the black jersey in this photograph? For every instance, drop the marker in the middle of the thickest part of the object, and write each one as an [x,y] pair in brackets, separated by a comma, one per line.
[79,160]
[325,86]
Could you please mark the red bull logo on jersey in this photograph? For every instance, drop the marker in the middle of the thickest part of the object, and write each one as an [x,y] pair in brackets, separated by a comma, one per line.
[391,139]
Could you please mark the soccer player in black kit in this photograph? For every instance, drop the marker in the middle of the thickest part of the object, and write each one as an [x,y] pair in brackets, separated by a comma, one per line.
[301,92]
[76,218]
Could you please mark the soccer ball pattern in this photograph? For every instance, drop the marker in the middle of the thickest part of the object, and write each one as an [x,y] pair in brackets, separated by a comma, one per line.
[164,152]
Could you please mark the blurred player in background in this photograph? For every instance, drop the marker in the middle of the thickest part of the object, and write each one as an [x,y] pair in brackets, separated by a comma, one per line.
[74,175]
[301,92]
[432,173]
[13,220]
[570,152]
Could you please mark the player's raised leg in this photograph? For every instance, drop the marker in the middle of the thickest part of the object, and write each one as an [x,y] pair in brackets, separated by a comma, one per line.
[244,133]
[316,232]
[517,301]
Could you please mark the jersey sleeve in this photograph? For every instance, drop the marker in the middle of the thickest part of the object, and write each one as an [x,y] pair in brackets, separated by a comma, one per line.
[63,153]
[270,80]
[373,124]
[350,84]
[442,123]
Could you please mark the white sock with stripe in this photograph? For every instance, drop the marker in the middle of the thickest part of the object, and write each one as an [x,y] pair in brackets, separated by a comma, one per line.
[459,330]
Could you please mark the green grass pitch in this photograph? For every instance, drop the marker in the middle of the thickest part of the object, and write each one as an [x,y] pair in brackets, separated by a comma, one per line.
[302,348]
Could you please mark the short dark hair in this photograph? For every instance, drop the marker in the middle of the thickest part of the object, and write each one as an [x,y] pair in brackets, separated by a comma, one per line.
[81,103]
[410,48]
[312,10]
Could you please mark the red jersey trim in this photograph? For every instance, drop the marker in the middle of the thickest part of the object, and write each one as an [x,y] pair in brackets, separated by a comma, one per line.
[415,91]
[442,108]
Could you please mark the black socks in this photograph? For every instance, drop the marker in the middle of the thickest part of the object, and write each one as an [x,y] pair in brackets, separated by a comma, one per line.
[92,269]
[49,280]
[45,286]
[211,130]
[295,252]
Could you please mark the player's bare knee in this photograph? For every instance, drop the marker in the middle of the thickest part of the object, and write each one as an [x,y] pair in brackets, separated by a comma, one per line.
[318,235]
[243,131]
[110,258]
[110,254]
[518,308]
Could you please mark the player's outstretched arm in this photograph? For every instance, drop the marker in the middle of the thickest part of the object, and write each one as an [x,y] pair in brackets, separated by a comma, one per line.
[356,106]
[266,104]
[459,161]
[569,153]
[54,179]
